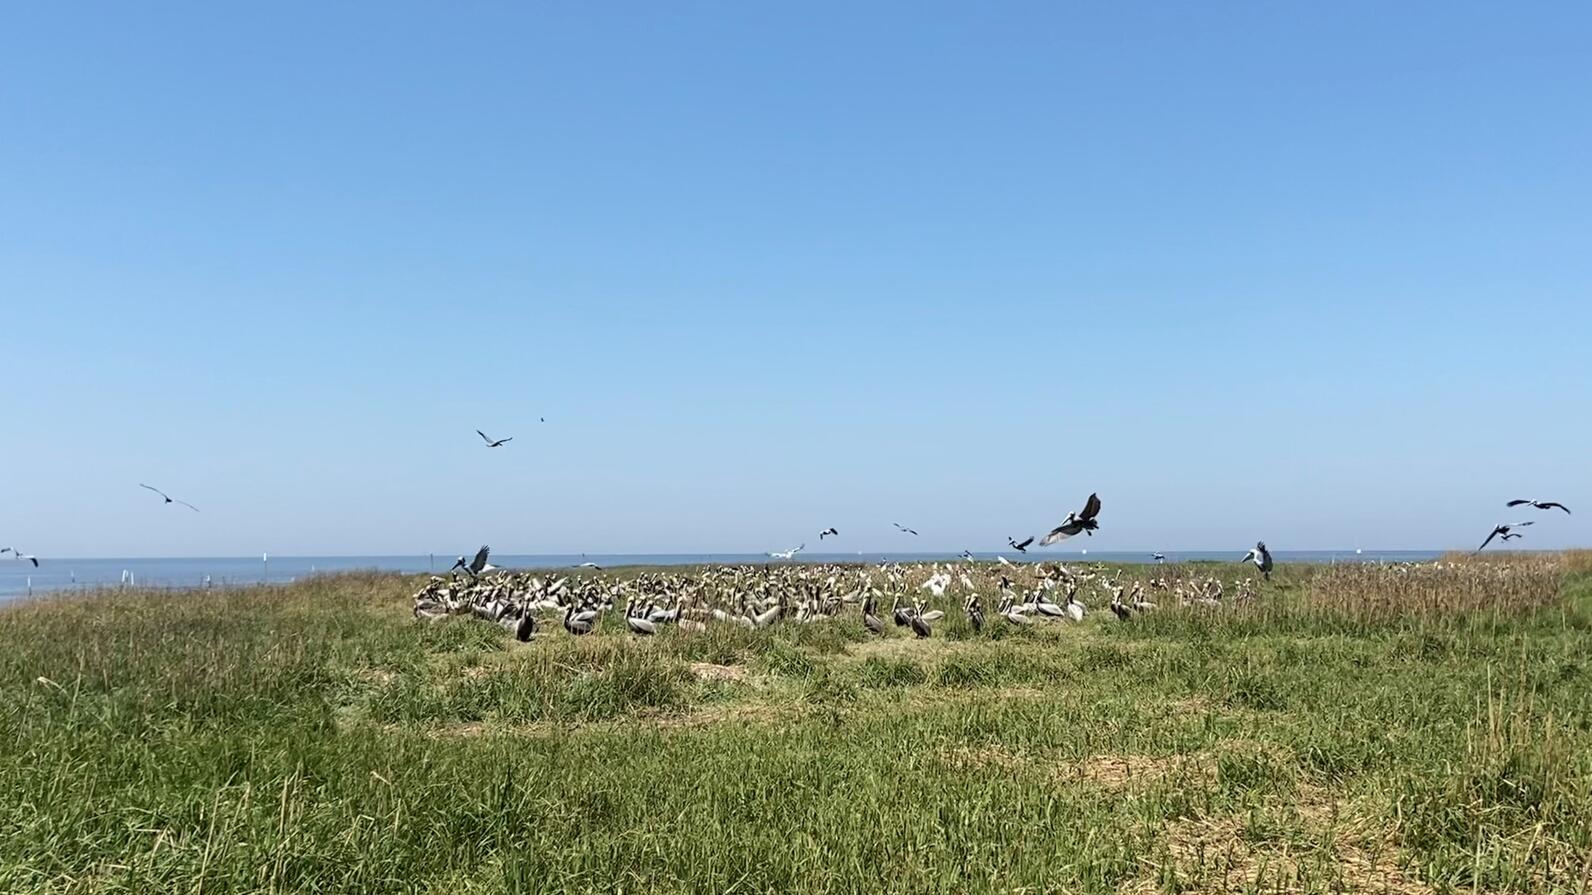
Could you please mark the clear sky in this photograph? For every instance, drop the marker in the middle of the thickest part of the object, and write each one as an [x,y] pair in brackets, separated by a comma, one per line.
[1318,275]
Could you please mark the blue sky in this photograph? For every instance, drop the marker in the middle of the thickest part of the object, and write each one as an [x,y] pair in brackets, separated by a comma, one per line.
[1319,276]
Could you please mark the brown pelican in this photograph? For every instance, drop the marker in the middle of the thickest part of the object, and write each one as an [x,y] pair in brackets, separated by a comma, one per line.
[477,565]
[903,528]
[1020,546]
[920,626]
[493,442]
[1540,504]
[827,532]
[975,614]
[1076,522]
[873,623]
[1505,532]
[579,622]
[1261,557]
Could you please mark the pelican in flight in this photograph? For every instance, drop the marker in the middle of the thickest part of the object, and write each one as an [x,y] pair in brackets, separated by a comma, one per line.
[827,532]
[477,565]
[587,565]
[1019,546]
[1076,522]
[493,442]
[168,498]
[1505,532]
[1158,557]
[1261,557]
[1540,504]
[789,554]
[25,557]
[900,527]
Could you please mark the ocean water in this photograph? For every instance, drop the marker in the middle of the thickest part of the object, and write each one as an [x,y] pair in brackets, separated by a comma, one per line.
[19,579]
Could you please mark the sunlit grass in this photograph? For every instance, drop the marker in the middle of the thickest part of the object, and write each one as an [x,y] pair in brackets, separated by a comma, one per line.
[1350,730]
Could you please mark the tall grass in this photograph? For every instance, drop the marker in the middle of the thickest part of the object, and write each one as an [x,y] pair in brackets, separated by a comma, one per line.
[1350,729]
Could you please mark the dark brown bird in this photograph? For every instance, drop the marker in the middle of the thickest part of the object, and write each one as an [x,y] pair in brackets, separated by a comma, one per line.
[1506,532]
[1540,504]
[1076,522]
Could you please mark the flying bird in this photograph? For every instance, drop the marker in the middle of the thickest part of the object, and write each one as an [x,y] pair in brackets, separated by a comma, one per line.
[1019,546]
[477,565]
[27,557]
[1541,504]
[1076,522]
[1158,557]
[587,565]
[789,554]
[493,442]
[827,532]
[1505,532]
[900,527]
[168,498]
[1261,557]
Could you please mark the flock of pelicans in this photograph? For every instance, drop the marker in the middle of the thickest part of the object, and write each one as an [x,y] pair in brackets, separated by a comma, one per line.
[758,597]
[762,596]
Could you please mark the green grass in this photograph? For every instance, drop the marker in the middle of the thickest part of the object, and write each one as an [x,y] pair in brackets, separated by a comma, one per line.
[315,738]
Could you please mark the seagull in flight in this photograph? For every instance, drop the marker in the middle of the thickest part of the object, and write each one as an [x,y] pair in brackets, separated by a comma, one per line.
[1076,522]
[900,527]
[789,554]
[477,565]
[1019,546]
[168,498]
[1506,532]
[491,442]
[1541,504]
[1261,557]
[827,532]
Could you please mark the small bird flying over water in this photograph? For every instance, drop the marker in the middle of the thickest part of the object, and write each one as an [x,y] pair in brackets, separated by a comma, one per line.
[1261,557]
[827,532]
[168,498]
[900,527]
[493,442]
[1506,532]
[477,565]
[1019,546]
[1541,504]
[1076,522]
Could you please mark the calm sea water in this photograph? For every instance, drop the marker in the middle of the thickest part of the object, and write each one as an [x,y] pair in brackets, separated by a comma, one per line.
[18,579]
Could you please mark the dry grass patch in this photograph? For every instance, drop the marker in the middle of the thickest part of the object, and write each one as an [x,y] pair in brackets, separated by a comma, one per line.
[1311,844]
[708,671]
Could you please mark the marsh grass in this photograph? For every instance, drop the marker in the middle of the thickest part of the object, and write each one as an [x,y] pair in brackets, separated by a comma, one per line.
[1350,730]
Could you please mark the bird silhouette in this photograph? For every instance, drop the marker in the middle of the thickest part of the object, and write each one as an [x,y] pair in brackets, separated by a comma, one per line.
[1076,522]
[1540,504]
[168,498]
